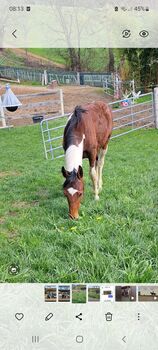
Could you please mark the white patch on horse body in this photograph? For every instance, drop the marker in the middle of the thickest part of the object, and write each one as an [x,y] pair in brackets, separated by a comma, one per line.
[73,156]
[72,191]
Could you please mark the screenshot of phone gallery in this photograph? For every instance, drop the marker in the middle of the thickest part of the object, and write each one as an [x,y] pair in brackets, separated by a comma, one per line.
[78,175]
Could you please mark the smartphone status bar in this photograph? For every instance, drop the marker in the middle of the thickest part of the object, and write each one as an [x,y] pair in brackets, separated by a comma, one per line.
[63,24]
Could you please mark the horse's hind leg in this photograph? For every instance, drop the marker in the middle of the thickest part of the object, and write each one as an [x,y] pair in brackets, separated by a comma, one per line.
[101,160]
[94,176]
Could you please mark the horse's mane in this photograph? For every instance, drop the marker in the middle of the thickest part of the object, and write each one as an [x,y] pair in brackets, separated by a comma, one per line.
[71,125]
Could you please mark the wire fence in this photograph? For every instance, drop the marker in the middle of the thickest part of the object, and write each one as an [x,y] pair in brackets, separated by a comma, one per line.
[61,76]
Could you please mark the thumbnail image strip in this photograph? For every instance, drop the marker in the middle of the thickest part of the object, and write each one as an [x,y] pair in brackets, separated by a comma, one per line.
[79,293]
[50,293]
[64,293]
[107,293]
[148,293]
[93,293]
[125,293]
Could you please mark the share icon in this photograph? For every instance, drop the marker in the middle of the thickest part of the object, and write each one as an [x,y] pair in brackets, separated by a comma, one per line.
[79,316]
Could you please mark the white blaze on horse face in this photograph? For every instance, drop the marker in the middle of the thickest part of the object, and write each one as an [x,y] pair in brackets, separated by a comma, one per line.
[72,191]
[73,156]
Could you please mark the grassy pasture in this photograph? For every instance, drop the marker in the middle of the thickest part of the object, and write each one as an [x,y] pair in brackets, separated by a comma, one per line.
[115,239]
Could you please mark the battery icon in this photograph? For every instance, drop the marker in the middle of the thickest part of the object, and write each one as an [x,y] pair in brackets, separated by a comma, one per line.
[28,8]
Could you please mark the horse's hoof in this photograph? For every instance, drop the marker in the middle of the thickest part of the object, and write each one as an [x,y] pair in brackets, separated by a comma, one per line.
[97,198]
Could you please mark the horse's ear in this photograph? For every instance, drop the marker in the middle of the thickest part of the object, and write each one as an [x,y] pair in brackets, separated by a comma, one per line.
[64,172]
[80,172]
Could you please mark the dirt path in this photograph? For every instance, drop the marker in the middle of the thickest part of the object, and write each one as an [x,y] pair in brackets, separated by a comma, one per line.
[79,95]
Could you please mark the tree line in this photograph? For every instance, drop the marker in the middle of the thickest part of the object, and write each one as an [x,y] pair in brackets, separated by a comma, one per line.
[140,64]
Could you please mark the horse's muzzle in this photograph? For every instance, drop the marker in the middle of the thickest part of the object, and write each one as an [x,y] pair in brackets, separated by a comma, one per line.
[73,217]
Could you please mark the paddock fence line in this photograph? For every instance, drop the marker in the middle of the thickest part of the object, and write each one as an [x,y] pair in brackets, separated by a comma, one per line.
[138,114]
[35,75]
[62,77]
[43,104]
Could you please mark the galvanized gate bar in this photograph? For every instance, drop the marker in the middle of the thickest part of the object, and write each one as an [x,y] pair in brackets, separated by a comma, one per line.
[127,132]
[129,115]
[132,122]
[46,135]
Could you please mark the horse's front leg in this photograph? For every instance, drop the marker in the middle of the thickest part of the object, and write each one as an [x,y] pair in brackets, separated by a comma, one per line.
[94,177]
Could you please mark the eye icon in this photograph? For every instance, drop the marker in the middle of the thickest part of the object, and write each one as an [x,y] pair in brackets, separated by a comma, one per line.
[144,33]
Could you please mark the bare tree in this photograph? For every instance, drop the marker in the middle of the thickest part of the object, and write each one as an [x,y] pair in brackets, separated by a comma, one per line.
[111,61]
[75,27]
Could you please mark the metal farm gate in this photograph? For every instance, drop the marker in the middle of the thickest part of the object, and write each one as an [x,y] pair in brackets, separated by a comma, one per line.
[137,114]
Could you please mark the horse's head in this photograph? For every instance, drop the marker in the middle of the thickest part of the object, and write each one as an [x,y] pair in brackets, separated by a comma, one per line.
[73,189]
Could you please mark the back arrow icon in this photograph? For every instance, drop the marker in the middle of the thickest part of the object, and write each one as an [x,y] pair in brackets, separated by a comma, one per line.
[14,33]
[124,339]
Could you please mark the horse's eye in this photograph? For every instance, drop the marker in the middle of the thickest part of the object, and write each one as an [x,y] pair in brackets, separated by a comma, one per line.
[79,194]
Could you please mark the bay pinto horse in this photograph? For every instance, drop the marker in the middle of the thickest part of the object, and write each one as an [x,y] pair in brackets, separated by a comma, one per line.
[86,135]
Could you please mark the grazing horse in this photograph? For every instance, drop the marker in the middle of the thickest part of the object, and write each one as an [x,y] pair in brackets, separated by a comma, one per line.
[86,135]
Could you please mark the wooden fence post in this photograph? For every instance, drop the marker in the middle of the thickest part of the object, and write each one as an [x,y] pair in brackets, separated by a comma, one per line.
[42,79]
[45,78]
[78,78]
[61,101]
[2,116]
[156,106]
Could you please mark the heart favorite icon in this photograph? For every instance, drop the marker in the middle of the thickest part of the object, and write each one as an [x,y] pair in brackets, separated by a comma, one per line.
[19,316]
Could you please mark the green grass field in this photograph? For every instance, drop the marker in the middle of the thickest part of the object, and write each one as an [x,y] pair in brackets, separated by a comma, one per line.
[50,54]
[115,239]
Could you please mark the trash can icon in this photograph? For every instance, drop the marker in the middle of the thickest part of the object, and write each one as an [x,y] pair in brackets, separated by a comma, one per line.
[108,316]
